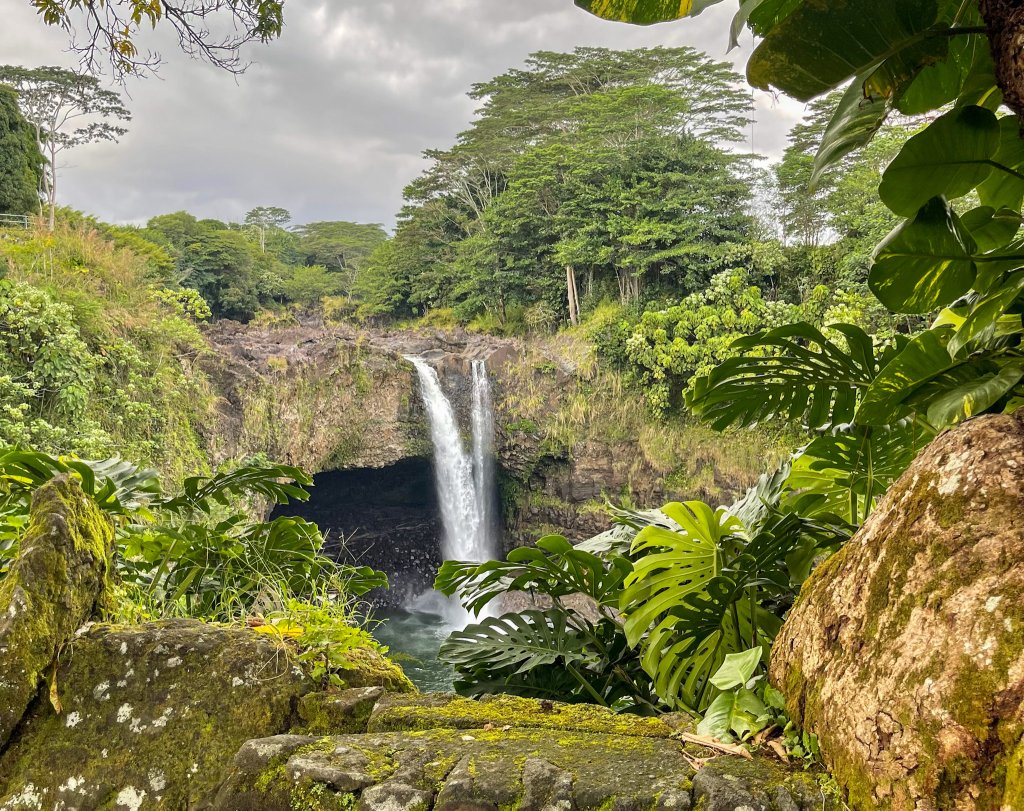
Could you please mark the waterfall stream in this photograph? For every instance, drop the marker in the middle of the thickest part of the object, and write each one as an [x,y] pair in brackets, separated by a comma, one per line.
[465,478]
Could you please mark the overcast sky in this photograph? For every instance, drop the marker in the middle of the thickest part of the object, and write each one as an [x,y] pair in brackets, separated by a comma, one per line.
[330,121]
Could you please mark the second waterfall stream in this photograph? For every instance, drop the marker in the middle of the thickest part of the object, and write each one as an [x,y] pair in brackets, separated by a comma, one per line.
[465,477]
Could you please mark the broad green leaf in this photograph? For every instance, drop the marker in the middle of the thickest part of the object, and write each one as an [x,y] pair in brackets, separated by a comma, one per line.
[991,229]
[925,263]
[851,470]
[950,157]
[976,396]
[520,641]
[922,360]
[798,373]
[737,669]
[855,121]
[821,45]
[1005,189]
[736,714]
[940,83]
[644,12]
[760,15]
[983,321]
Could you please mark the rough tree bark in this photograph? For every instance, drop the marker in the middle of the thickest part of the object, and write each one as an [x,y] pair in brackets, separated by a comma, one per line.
[1005,22]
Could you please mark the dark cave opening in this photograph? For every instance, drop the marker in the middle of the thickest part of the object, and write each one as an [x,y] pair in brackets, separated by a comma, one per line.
[387,518]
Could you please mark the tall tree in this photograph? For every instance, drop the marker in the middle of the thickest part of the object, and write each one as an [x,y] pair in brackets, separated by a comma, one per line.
[21,162]
[66,110]
[341,246]
[107,33]
[264,219]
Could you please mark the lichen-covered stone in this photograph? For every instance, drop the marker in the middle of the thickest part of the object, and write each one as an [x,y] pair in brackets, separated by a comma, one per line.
[371,668]
[50,591]
[505,768]
[152,717]
[905,651]
[448,711]
[339,713]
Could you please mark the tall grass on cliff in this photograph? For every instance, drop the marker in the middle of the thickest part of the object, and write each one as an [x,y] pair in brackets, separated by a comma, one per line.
[98,348]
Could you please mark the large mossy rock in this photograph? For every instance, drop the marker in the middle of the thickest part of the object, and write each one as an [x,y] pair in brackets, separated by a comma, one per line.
[441,752]
[50,591]
[905,651]
[151,716]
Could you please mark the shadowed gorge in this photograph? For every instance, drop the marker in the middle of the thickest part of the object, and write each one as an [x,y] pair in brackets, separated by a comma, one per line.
[385,517]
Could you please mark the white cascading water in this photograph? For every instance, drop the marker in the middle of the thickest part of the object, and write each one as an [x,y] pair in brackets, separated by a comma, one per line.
[465,482]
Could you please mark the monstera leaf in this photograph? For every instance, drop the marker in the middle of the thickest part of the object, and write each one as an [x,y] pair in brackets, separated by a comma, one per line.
[645,12]
[800,374]
[951,156]
[553,567]
[117,486]
[925,263]
[278,483]
[852,469]
[520,642]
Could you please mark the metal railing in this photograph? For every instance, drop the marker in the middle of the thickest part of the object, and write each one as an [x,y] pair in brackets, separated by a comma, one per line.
[14,221]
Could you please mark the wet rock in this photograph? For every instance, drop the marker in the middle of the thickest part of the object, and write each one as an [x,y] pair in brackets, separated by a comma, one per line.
[49,592]
[154,714]
[905,651]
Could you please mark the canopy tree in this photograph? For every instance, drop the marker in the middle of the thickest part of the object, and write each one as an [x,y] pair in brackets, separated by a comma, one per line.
[342,247]
[107,34]
[66,110]
[21,162]
[580,163]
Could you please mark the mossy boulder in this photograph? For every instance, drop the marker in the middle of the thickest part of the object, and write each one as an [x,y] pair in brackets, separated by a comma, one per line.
[505,754]
[448,711]
[905,651]
[368,667]
[150,717]
[50,591]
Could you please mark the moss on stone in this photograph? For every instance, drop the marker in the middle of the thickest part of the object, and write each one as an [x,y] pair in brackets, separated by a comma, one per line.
[160,708]
[51,590]
[396,713]
[370,668]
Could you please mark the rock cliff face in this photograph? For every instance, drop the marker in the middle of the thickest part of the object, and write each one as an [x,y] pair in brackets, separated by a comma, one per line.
[568,436]
[905,653]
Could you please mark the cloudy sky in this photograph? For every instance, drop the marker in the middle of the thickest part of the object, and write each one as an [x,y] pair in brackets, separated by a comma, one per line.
[330,121]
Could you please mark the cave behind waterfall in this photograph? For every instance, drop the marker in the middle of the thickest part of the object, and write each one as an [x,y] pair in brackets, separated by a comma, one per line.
[387,518]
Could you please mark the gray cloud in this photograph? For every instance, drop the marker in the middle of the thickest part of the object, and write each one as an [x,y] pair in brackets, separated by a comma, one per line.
[330,121]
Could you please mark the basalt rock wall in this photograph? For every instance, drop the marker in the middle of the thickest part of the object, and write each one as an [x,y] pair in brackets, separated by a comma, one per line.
[568,436]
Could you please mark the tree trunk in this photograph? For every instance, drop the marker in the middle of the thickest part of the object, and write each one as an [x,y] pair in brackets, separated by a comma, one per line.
[1005,22]
[573,295]
[52,190]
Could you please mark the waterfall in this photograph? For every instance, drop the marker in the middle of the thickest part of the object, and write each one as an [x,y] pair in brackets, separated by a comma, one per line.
[465,481]
[483,458]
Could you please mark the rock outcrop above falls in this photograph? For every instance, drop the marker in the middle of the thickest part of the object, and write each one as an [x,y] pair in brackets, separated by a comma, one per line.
[905,651]
[568,435]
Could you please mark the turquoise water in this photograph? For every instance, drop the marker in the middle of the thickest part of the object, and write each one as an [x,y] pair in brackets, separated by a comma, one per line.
[414,637]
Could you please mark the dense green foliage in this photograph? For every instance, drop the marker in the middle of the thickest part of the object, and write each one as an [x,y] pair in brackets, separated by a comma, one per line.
[195,553]
[591,174]
[21,162]
[707,588]
[96,353]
